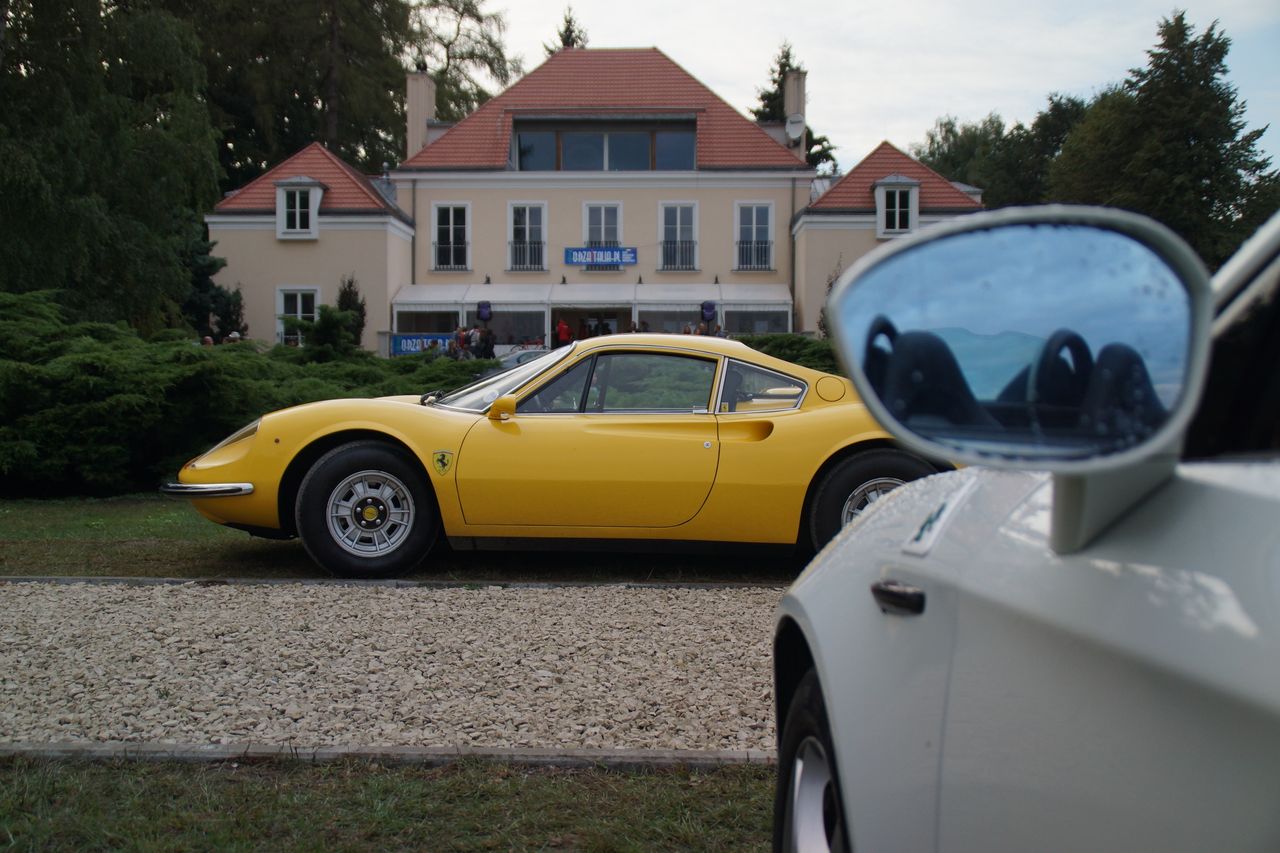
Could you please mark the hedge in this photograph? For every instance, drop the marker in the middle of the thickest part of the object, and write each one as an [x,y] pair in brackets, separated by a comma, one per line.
[94,409]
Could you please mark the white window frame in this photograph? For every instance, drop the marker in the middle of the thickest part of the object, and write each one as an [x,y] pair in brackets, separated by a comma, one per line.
[511,231]
[284,290]
[586,218]
[662,231]
[882,209]
[312,231]
[466,237]
[738,204]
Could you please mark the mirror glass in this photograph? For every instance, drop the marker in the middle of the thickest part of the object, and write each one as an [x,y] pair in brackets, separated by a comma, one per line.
[1032,341]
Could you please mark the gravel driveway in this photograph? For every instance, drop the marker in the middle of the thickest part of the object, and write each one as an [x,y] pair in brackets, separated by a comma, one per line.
[588,666]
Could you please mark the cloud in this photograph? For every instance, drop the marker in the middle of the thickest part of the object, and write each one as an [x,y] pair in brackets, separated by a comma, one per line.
[877,73]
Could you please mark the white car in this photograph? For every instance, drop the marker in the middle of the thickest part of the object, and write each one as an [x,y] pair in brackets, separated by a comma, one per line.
[1073,643]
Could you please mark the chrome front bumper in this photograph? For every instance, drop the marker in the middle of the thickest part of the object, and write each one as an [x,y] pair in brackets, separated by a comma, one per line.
[206,490]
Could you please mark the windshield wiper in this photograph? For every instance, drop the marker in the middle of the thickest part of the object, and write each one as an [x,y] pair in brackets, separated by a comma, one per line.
[429,398]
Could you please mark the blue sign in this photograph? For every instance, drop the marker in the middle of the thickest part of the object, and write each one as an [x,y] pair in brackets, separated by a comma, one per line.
[600,257]
[419,344]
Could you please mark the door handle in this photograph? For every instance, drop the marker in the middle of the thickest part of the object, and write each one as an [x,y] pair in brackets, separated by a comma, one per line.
[898,599]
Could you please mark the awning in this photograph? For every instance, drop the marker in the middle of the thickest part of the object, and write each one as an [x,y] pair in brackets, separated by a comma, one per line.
[591,295]
[675,297]
[651,297]
[430,297]
[523,295]
[748,297]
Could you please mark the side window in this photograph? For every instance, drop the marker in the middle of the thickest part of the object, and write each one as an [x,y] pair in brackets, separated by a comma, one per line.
[753,389]
[650,382]
[562,395]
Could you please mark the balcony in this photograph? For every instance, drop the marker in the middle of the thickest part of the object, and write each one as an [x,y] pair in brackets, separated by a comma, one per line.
[755,255]
[528,256]
[449,257]
[679,254]
[602,244]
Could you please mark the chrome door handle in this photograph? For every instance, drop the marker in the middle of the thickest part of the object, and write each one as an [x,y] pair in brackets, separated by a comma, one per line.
[898,599]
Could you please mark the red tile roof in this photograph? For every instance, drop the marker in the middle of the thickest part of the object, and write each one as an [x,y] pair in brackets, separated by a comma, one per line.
[856,190]
[346,190]
[609,82]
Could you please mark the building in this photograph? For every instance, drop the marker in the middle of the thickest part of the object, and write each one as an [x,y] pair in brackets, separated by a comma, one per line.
[608,188]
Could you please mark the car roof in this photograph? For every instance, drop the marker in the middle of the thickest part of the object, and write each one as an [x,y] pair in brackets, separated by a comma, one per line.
[708,344]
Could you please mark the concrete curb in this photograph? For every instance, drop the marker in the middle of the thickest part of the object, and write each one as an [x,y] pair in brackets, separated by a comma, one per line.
[392,584]
[428,756]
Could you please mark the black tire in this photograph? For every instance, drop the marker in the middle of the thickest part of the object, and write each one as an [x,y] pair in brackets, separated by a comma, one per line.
[810,815]
[385,517]
[871,472]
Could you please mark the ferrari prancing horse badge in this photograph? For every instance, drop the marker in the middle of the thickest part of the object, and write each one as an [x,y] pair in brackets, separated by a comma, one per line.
[443,461]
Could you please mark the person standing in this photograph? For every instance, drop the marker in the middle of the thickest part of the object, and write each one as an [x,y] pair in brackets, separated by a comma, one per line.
[564,335]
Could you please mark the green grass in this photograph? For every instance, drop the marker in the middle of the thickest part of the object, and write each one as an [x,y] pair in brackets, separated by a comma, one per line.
[358,805]
[150,536]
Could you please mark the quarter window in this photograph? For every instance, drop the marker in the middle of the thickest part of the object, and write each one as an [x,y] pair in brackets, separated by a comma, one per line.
[753,389]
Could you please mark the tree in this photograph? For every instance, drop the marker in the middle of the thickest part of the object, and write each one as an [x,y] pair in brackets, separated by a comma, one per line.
[350,301]
[1011,165]
[206,298]
[570,34]
[107,157]
[285,73]
[1171,142]
[819,152]
[463,43]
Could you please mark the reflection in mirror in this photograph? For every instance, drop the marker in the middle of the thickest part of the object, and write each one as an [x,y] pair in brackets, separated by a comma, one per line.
[1037,341]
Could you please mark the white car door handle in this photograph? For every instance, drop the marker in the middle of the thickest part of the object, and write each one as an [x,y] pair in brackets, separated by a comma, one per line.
[898,599]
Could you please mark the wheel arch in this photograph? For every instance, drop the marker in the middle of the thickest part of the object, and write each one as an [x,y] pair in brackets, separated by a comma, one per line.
[287,496]
[839,456]
[792,658]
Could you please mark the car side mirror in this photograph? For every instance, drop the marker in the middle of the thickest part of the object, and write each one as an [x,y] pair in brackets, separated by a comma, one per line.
[1067,339]
[503,408]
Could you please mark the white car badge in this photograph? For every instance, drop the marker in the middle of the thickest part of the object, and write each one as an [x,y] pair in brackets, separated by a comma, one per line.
[922,541]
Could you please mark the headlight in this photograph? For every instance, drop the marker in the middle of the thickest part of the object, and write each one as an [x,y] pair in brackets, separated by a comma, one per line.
[239,435]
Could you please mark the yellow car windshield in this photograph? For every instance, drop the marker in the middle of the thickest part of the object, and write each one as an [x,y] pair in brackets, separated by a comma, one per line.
[478,396]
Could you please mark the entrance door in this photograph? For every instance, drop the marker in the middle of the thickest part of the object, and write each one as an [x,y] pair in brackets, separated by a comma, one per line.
[619,439]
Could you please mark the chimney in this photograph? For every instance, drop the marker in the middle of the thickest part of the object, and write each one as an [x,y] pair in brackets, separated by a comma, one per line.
[420,108]
[793,105]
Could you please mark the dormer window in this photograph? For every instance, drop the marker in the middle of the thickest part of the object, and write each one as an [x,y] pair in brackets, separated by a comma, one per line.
[603,146]
[297,206]
[897,205]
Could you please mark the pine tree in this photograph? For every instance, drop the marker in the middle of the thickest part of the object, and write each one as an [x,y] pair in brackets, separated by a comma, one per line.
[350,301]
[570,34]
[819,153]
[1171,142]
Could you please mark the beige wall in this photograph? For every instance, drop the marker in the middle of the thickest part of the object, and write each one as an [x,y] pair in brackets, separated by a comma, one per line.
[260,264]
[714,229]
[820,250]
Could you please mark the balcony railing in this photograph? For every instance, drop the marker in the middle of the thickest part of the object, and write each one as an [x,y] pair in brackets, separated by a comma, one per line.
[679,254]
[449,257]
[755,255]
[528,256]
[602,244]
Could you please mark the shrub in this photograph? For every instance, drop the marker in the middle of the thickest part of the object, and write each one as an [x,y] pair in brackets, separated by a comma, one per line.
[816,353]
[91,408]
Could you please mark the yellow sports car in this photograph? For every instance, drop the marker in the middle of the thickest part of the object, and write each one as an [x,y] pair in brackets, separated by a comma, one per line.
[616,438]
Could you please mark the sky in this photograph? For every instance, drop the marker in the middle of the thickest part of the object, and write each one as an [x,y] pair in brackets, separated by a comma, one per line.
[881,71]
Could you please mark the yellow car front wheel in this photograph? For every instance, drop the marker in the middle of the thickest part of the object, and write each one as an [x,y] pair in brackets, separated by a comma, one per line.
[365,510]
